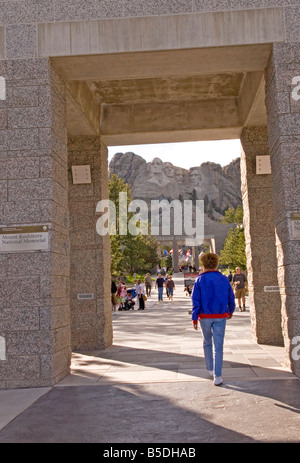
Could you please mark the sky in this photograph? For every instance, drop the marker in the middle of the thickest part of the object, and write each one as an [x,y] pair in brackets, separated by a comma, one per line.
[186,155]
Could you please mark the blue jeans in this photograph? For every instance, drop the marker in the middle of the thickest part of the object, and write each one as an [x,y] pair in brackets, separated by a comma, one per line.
[160,293]
[213,330]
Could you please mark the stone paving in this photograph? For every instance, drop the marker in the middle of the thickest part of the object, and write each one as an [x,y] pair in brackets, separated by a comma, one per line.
[160,344]
[152,386]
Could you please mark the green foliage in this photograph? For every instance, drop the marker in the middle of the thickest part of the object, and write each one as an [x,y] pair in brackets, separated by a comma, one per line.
[233,215]
[233,253]
[129,254]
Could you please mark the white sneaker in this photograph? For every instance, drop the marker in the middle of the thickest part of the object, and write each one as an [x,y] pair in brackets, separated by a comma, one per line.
[211,373]
[218,381]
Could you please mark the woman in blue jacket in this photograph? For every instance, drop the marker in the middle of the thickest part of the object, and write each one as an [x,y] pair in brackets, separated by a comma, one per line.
[213,303]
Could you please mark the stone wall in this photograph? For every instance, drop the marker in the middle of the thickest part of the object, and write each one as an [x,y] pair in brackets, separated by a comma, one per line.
[265,307]
[284,142]
[20,21]
[91,326]
[34,286]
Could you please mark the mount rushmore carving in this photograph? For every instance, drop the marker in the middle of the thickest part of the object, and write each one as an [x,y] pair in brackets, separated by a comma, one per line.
[219,187]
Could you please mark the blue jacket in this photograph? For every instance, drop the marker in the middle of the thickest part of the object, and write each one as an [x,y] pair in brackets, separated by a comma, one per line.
[212,296]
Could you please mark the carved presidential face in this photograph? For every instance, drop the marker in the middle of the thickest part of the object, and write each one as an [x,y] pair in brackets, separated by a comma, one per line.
[125,162]
[156,166]
[169,170]
[179,174]
[195,176]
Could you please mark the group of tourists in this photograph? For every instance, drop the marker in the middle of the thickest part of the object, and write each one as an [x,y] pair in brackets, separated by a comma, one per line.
[213,303]
[122,297]
[166,283]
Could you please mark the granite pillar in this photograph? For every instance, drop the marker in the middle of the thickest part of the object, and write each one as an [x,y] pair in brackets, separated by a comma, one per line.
[91,316]
[283,108]
[265,307]
[34,285]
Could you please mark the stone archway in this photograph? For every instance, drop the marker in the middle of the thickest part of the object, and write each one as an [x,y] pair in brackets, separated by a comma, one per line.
[205,75]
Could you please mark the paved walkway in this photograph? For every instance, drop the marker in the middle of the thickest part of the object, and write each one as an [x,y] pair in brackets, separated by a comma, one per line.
[151,386]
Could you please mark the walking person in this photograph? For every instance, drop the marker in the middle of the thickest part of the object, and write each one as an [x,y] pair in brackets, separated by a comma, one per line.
[121,294]
[140,294]
[170,287]
[166,279]
[114,300]
[239,281]
[159,284]
[148,284]
[213,303]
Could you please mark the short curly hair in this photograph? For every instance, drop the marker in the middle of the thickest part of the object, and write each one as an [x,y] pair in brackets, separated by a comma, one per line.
[210,260]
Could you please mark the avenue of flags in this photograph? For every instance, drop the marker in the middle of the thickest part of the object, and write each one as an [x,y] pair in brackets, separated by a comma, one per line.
[184,255]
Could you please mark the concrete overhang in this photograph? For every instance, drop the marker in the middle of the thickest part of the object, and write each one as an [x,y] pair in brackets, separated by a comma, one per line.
[174,95]
[166,32]
[164,63]
[157,97]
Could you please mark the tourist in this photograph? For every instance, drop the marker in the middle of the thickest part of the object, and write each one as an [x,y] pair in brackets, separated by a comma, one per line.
[239,281]
[159,284]
[140,294]
[170,287]
[121,294]
[114,300]
[213,303]
[148,284]
[166,279]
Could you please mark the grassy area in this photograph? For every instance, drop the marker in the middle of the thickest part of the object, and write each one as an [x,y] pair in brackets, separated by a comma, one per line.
[130,278]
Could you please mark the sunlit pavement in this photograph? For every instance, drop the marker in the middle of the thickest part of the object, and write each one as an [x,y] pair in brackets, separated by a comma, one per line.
[152,386]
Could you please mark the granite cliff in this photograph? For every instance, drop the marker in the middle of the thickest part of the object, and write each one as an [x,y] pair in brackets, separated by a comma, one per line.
[219,187]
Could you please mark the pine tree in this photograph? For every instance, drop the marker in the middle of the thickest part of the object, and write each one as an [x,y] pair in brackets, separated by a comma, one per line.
[233,253]
[129,254]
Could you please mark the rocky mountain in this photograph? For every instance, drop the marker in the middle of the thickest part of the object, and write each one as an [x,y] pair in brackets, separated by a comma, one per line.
[219,187]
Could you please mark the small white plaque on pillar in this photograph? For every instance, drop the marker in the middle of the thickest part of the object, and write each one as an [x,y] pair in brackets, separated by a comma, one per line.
[263,165]
[85,296]
[271,289]
[81,174]
[296,225]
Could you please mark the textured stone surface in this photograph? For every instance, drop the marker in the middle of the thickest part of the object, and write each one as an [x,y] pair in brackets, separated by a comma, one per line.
[21,41]
[90,262]
[2,43]
[33,11]
[26,11]
[260,239]
[285,161]
[34,191]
